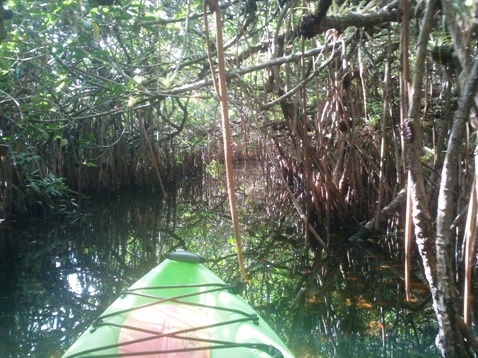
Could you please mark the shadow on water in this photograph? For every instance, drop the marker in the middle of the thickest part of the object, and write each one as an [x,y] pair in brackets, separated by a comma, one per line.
[57,277]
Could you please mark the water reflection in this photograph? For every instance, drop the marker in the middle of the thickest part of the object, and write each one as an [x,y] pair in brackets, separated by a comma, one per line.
[57,277]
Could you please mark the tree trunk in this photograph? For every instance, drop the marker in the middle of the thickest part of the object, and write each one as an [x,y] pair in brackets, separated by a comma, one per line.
[450,340]
[413,139]
[437,252]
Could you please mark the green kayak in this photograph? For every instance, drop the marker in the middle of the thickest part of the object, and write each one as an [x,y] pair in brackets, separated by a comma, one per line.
[179,309]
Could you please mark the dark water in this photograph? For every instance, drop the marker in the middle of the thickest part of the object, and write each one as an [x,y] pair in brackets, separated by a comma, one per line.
[56,277]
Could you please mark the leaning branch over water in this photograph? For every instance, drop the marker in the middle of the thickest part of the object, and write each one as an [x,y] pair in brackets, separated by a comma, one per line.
[386,212]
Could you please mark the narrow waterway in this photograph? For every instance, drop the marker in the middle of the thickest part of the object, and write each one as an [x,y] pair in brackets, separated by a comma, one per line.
[56,277]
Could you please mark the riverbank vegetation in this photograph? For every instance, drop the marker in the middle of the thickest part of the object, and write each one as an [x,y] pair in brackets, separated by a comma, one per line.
[361,113]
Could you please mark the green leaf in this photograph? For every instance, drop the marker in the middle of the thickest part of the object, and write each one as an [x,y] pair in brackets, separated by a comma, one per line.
[96,30]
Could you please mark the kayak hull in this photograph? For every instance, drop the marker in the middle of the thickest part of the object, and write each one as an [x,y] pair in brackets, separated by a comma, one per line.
[179,309]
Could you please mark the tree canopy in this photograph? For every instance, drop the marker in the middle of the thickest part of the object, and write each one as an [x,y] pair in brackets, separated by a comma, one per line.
[362,111]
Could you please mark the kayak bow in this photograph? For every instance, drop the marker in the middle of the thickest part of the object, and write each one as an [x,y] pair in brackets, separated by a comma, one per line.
[179,309]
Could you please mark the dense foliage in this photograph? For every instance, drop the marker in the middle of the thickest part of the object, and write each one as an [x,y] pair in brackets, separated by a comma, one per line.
[348,104]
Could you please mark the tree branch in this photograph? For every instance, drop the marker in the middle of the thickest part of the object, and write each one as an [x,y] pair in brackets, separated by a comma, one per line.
[194,16]
[231,74]
[312,24]
[367,230]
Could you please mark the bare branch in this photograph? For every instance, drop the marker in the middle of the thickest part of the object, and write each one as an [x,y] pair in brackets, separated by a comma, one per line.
[231,74]
[312,25]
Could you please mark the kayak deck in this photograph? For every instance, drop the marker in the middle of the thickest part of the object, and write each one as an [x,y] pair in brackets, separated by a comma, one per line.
[179,309]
